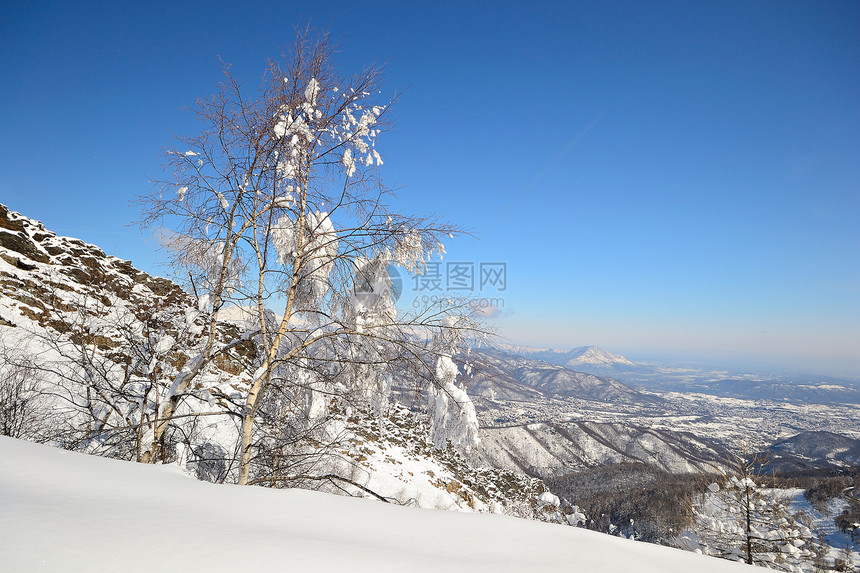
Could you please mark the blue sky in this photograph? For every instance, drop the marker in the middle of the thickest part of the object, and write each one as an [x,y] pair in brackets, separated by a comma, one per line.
[661,179]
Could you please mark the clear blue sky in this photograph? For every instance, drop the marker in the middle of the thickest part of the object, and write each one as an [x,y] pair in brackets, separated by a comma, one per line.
[673,178]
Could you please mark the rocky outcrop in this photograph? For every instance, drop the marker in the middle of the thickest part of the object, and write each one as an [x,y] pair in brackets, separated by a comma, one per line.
[43,274]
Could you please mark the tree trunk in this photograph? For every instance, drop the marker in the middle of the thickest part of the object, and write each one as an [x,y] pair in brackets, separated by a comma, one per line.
[247,430]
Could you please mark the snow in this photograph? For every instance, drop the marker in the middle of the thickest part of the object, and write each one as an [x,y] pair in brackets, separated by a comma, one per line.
[348,162]
[312,91]
[70,512]
[823,520]
[547,497]
[595,356]
[451,410]
[319,242]
[409,252]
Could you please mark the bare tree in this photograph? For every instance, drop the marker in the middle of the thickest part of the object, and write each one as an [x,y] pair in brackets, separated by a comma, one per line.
[23,405]
[106,342]
[279,202]
[100,369]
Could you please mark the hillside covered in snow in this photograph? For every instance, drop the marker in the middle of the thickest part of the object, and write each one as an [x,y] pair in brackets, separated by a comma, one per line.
[71,513]
[61,298]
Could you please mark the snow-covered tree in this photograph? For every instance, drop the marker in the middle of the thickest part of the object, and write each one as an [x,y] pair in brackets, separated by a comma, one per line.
[279,203]
[738,518]
[98,368]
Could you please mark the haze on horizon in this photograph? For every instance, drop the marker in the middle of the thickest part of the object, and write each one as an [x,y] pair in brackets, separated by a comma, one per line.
[705,349]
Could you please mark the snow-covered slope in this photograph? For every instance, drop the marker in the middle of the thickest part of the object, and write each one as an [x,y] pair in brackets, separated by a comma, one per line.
[56,291]
[71,315]
[393,457]
[72,513]
[812,450]
[552,449]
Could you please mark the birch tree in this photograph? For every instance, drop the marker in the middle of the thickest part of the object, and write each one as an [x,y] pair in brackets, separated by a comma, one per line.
[279,203]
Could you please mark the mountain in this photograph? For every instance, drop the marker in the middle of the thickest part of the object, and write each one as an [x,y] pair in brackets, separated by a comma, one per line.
[40,268]
[797,388]
[594,356]
[500,375]
[799,391]
[590,359]
[53,287]
[812,450]
[501,382]
[550,449]
[490,375]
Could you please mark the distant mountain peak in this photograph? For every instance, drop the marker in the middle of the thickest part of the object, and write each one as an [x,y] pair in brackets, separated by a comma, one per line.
[596,356]
[591,359]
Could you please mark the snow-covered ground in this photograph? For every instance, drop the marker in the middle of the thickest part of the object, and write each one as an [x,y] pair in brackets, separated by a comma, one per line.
[64,511]
[824,520]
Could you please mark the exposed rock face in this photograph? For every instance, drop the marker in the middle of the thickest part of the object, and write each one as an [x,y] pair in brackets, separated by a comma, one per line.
[42,270]
[101,332]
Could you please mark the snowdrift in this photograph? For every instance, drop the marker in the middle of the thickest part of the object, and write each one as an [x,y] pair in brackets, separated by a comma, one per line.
[65,511]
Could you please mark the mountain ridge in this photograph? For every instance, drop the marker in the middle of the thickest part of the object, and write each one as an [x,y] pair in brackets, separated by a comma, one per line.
[493,374]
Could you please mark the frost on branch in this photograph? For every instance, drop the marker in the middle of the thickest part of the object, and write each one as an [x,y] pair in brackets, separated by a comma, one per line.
[313,400]
[308,132]
[452,413]
[205,259]
[371,305]
[371,312]
[314,249]
[411,252]
[738,519]
[408,252]
[348,162]
[311,93]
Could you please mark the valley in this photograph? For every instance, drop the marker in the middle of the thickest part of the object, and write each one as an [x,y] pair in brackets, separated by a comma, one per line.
[635,457]
[525,405]
[729,420]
